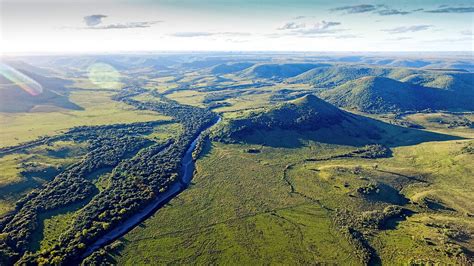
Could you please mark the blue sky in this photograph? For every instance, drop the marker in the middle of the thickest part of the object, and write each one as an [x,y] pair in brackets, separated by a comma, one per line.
[146,25]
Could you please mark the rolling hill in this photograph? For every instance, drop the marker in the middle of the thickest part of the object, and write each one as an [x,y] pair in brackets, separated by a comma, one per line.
[309,117]
[278,71]
[32,89]
[381,95]
[228,68]
[335,75]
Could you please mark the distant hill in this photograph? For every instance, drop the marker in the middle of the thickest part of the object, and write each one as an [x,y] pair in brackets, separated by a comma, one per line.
[278,71]
[230,68]
[420,62]
[311,117]
[308,112]
[381,95]
[381,89]
[37,90]
[335,75]
[458,81]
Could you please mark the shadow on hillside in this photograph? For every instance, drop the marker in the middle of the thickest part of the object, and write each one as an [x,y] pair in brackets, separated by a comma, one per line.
[54,94]
[356,131]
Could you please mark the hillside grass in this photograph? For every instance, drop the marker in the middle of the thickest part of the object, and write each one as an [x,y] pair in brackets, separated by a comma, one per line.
[238,215]
[52,224]
[240,208]
[444,122]
[44,158]
[422,237]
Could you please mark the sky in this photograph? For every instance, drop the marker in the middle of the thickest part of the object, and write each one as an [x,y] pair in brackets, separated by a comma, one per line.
[53,26]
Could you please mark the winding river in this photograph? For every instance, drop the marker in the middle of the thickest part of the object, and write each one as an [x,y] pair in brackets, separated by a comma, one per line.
[187,169]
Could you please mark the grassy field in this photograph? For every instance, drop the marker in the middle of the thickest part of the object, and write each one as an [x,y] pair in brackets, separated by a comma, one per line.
[23,171]
[99,109]
[238,215]
[275,207]
[51,225]
[444,123]
[273,198]
[448,175]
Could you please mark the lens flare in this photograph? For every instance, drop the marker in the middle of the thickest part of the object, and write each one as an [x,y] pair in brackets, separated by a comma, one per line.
[21,80]
[104,76]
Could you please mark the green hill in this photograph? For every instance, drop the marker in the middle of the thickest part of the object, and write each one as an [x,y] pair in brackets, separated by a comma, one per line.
[331,76]
[335,75]
[384,89]
[309,117]
[228,68]
[278,71]
[35,90]
[381,95]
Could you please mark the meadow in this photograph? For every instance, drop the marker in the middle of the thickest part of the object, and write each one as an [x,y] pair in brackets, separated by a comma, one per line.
[234,214]
[285,178]
[99,109]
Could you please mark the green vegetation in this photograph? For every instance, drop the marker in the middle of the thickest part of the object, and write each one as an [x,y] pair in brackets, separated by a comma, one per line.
[277,71]
[99,109]
[22,172]
[254,203]
[380,95]
[109,147]
[320,121]
[285,178]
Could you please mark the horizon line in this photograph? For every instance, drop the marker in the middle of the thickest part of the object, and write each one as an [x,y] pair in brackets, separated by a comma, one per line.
[35,53]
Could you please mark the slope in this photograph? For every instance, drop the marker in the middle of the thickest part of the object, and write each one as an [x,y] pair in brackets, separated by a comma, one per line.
[381,95]
[310,118]
[278,71]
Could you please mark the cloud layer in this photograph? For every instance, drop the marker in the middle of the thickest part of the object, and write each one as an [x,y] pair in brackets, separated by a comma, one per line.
[95,22]
[320,27]
[448,9]
[384,10]
[356,8]
[405,29]
[191,34]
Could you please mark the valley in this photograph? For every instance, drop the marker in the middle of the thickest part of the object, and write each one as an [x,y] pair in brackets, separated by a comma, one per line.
[332,159]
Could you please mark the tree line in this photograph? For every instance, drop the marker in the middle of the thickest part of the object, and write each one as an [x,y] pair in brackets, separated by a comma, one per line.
[141,170]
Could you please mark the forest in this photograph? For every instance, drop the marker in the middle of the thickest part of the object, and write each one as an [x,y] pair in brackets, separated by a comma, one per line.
[141,169]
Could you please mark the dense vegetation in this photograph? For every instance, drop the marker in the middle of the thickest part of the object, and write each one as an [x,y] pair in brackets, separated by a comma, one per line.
[230,68]
[279,71]
[143,176]
[323,120]
[384,95]
[285,178]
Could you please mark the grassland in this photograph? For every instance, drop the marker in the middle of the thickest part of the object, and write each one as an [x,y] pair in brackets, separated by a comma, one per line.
[99,109]
[423,237]
[276,207]
[274,197]
[23,171]
[445,122]
[235,215]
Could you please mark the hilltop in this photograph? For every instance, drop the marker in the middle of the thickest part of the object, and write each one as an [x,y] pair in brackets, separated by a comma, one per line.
[50,91]
[278,71]
[380,95]
[313,118]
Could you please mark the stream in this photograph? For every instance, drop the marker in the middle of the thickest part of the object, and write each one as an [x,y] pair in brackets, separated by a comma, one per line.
[187,170]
